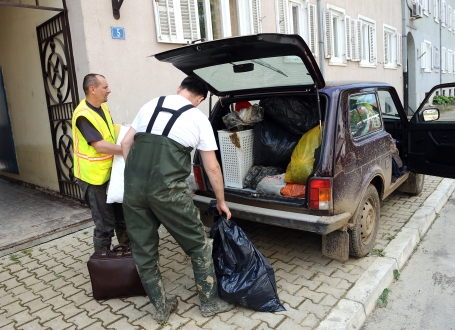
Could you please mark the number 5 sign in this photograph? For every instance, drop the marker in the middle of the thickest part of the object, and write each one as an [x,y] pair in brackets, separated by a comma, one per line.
[117,32]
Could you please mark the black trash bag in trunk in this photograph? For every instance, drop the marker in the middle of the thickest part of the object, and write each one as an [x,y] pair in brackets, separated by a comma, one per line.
[272,144]
[295,114]
[245,277]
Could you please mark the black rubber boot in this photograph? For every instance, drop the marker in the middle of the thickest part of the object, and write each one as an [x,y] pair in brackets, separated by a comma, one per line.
[99,243]
[155,291]
[206,283]
[120,226]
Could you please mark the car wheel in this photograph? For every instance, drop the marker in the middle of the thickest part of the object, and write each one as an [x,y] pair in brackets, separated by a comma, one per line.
[413,184]
[366,223]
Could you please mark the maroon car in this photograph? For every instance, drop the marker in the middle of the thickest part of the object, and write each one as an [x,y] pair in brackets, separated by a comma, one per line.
[369,146]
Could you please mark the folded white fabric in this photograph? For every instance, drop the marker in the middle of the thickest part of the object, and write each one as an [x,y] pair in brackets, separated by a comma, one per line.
[115,188]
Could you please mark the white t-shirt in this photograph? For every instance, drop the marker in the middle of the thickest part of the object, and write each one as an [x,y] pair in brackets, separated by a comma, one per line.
[191,129]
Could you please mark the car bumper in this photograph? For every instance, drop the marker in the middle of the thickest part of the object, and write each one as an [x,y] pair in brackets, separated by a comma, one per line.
[317,224]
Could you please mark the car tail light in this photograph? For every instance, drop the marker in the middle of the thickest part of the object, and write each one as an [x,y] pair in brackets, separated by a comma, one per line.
[199,178]
[320,194]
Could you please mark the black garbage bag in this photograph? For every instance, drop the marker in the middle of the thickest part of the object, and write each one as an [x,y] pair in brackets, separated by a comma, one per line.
[295,114]
[273,145]
[245,277]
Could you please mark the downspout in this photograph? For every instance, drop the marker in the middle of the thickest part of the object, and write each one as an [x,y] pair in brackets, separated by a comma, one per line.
[404,60]
[321,37]
[440,43]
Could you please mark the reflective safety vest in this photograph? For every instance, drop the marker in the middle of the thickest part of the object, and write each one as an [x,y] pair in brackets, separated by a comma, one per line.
[89,165]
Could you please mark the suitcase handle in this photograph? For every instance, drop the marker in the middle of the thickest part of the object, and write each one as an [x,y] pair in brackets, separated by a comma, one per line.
[121,248]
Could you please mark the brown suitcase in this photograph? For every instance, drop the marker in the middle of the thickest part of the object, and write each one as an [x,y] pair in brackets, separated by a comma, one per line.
[113,274]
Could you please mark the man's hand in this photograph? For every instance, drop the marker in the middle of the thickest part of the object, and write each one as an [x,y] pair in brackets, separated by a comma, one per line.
[222,207]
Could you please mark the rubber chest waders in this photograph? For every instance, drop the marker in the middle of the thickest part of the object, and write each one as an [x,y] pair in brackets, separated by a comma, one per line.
[156,192]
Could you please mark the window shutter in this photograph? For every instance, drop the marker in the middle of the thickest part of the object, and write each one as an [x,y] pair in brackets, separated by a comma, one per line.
[283,17]
[399,49]
[435,10]
[449,61]
[443,14]
[423,55]
[347,27]
[436,57]
[386,47]
[449,18]
[371,38]
[256,10]
[190,20]
[443,59]
[177,21]
[165,21]
[328,24]
[312,25]
[358,39]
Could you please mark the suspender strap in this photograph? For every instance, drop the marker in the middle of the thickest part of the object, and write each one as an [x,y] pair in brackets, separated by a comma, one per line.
[174,117]
[158,109]
[170,123]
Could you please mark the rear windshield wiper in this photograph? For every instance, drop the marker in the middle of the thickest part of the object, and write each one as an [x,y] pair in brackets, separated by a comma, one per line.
[265,64]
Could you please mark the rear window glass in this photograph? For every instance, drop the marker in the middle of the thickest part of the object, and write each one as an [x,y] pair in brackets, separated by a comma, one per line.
[364,115]
[259,73]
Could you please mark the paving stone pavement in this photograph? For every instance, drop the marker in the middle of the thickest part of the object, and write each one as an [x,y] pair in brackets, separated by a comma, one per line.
[48,286]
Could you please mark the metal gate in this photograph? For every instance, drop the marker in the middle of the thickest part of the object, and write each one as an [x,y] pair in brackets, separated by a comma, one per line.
[59,78]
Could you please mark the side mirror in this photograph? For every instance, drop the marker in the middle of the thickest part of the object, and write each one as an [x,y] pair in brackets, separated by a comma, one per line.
[430,114]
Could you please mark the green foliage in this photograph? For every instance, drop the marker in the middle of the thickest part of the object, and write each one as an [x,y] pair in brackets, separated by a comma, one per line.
[441,99]
[396,274]
[378,252]
[14,257]
[27,252]
[382,300]
[389,236]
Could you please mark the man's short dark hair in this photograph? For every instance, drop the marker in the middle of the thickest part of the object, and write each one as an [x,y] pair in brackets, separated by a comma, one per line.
[91,80]
[195,86]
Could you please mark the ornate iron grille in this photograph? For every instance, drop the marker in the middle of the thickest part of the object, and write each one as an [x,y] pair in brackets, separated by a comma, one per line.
[57,65]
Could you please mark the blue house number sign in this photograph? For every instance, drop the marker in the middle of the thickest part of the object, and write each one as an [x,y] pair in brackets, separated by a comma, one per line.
[117,32]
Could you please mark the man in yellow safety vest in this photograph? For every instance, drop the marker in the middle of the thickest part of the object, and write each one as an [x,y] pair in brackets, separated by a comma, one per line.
[94,149]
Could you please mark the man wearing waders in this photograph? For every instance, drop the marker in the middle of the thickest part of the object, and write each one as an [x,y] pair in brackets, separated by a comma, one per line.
[157,149]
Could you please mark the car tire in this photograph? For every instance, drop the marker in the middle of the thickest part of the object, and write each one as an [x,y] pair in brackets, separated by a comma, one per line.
[366,222]
[413,184]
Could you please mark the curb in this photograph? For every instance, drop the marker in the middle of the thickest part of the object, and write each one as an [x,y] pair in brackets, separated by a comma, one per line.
[352,311]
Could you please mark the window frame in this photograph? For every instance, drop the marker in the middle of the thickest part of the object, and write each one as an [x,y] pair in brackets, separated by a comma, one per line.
[426,56]
[449,61]
[392,36]
[335,42]
[307,25]
[368,38]
[444,60]
[248,13]
[436,5]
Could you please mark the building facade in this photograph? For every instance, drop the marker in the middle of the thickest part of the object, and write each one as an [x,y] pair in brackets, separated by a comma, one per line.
[42,69]
[430,31]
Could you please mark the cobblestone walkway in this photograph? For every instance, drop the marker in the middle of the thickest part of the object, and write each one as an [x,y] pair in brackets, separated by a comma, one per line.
[48,286]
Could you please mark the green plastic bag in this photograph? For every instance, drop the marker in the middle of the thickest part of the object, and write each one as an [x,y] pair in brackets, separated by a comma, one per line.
[302,158]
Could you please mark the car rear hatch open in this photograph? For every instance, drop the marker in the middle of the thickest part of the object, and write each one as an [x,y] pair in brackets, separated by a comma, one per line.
[247,66]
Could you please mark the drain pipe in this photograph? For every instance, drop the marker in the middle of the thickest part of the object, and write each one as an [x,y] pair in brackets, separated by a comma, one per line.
[321,36]
[404,60]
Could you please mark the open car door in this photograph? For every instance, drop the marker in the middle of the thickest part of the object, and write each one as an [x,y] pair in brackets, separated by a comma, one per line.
[431,134]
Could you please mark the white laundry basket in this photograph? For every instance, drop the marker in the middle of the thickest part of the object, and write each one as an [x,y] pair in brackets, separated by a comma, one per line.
[236,155]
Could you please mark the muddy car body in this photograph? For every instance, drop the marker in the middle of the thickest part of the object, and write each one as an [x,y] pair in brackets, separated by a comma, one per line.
[352,170]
